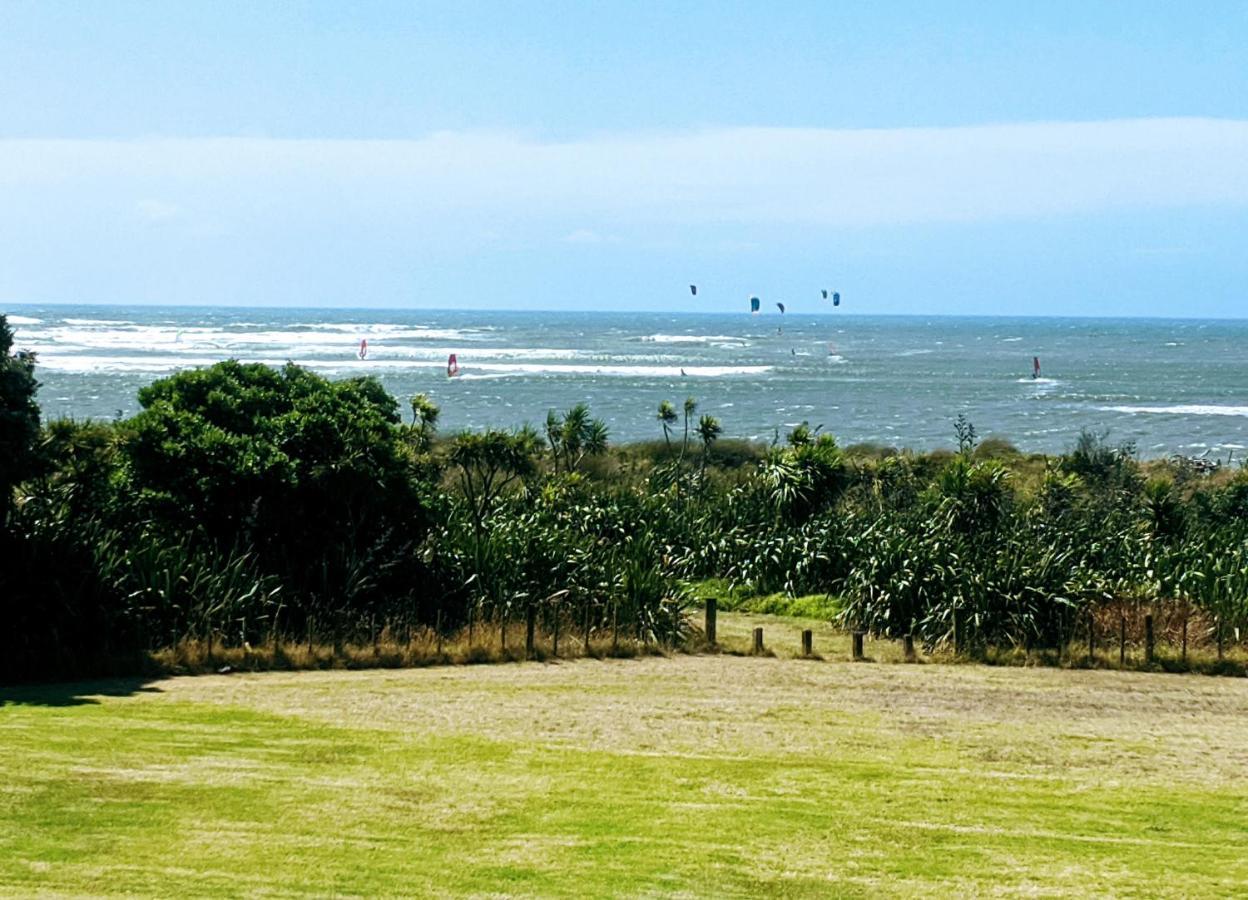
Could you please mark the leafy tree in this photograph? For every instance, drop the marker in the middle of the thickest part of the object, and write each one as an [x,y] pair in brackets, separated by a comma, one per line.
[281,460]
[19,419]
[573,436]
[667,418]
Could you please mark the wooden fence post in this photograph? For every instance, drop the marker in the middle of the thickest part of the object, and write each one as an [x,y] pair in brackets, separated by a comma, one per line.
[712,607]
[1122,640]
[586,625]
[957,633]
[1091,638]
[808,642]
[908,645]
[615,626]
[554,651]
[530,629]
[1148,639]
[857,646]
[1185,636]
[437,626]
[758,640]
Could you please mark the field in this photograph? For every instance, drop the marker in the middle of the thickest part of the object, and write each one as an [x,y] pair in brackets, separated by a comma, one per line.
[690,775]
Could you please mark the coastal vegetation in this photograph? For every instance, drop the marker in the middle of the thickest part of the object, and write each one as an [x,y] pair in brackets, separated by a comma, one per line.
[271,517]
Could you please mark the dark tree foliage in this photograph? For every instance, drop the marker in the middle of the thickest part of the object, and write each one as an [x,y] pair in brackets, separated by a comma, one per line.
[19,419]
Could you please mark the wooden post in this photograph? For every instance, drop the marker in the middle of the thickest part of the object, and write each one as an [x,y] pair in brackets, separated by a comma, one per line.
[615,626]
[712,606]
[1217,624]
[1091,638]
[437,625]
[372,624]
[808,642]
[587,626]
[1148,639]
[758,640]
[957,633]
[472,618]
[908,645]
[1122,640]
[554,651]
[857,648]
[530,629]
[1185,636]
[502,630]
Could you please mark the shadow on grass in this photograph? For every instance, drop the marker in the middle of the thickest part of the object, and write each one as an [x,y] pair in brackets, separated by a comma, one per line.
[74,693]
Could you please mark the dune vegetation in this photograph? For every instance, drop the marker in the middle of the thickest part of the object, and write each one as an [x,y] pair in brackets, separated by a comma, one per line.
[259,517]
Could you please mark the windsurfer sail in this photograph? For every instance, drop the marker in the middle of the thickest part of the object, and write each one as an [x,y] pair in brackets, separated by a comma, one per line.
[1035,367]
[452,366]
[362,353]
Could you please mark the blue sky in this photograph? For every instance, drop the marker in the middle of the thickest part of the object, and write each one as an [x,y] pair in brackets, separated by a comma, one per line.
[1070,158]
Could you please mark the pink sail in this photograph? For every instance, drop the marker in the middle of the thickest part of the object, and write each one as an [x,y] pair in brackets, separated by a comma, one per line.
[452,366]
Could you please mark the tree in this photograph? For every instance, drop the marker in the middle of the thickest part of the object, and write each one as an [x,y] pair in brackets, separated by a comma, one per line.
[489,462]
[709,431]
[425,414]
[19,419]
[667,418]
[574,436]
[283,460]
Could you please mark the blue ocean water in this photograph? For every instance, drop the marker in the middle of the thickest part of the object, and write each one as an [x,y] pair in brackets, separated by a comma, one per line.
[1170,386]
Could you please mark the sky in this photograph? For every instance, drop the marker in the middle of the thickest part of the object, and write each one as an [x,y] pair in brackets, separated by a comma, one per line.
[928,157]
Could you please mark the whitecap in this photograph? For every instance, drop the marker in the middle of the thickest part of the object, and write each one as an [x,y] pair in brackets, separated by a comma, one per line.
[693,339]
[24,320]
[1012,340]
[1182,409]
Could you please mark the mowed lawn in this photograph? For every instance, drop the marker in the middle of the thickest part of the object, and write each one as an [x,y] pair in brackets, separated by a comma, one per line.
[698,776]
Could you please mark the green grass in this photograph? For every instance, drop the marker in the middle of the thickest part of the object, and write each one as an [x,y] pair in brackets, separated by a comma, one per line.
[708,776]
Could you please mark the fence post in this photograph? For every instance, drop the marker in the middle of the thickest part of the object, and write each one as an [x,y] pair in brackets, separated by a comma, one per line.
[437,626]
[857,647]
[907,642]
[586,626]
[530,628]
[957,633]
[1148,639]
[615,626]
[808,642]
[555,648]
[1091,638]
[1122,640]
[1218,627]
[712,607]
[1185,636]
[758,640]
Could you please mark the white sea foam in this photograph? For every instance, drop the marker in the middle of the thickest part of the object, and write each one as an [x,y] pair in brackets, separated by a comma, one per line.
[922,352]
[155,364]
[91,323]
[1182,409]
[24,320]
[1030,380]
[723,339]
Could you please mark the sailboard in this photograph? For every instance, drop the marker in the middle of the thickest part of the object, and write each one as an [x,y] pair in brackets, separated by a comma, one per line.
[1035,367]
[362,353]
[452,366]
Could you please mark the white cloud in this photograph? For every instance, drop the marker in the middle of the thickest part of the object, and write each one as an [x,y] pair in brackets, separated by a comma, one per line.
[726,175]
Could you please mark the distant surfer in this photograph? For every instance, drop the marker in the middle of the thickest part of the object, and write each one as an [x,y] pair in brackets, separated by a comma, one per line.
[362,353]
[1035,367]
[682,374]
[452,366]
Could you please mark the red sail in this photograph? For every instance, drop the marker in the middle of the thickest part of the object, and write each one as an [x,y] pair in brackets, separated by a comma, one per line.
[1035,367]
[452,366]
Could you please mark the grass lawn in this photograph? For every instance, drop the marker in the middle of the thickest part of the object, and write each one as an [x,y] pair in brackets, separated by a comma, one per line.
[708,776]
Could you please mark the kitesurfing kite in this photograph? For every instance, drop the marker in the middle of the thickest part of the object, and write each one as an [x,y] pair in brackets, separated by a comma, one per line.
[452,366]
[693,289]
[780,306]
[362,353]
[836,298]
[754,304]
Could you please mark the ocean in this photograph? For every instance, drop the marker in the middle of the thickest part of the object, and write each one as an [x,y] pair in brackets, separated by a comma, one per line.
[1169,386]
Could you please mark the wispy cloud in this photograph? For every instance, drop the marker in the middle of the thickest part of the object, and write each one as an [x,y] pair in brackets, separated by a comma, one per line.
[727,175]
